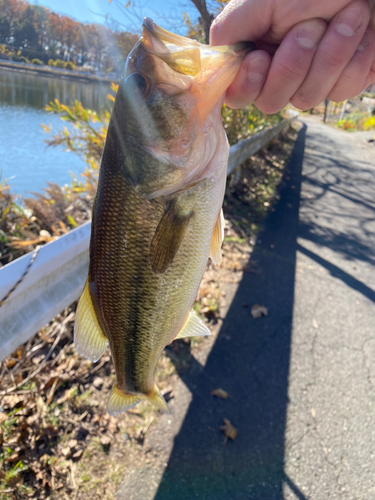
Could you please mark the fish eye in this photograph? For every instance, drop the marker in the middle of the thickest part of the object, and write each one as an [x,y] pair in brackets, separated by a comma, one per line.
[136,83]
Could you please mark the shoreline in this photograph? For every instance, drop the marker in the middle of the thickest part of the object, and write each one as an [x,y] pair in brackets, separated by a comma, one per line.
[54,72]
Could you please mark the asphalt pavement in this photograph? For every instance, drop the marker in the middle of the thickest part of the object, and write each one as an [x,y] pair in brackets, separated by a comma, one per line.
[301,380]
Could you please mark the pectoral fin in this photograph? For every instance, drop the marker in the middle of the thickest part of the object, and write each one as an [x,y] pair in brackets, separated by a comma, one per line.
[89,338]
[167,238]
[194,327]
[119,401]
[217,239]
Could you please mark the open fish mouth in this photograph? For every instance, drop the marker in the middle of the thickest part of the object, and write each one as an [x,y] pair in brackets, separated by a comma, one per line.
[185,55]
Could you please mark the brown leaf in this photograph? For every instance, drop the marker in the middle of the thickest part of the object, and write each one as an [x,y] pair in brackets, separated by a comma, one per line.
[40,406]
[112,425]
[65,396]
[98,382]
[50,431]
[228,429]
[258,311]
[3,417]
[72,443]
[78,454]
[12,362]
[14,480]
[13,457]
[32,419]
[219,393]
[12,401]
[167,393]
[105,440]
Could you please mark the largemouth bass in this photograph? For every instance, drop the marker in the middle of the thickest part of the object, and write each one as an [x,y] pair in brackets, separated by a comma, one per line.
[157,211]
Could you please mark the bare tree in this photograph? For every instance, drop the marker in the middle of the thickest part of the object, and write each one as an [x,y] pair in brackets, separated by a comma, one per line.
[206,17]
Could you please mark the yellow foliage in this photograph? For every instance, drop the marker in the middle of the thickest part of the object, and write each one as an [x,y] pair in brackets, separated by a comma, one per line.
[369,124]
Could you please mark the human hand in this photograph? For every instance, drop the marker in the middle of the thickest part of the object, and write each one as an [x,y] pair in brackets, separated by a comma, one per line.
[306,51]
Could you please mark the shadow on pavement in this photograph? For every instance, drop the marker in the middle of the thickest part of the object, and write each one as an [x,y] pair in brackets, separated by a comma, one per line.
[250,360]
[338,273]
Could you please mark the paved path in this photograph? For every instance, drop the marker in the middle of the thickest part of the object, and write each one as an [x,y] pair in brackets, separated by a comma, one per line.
[302,380]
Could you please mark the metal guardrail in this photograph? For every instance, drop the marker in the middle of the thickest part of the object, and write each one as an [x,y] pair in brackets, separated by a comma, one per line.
[57,276]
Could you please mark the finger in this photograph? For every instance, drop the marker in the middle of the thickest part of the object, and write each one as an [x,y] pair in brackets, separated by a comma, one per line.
[241,21]
[254,19]
[333,55]
[354,78]
[371,75]
[249,80]
[290,65]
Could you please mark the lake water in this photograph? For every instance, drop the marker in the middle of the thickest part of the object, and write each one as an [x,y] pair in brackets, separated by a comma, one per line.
[25,160]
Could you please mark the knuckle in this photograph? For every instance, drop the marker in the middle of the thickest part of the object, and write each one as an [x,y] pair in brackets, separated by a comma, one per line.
[267,107]
[302,101]
[339,94]
[291,70]
[331,59]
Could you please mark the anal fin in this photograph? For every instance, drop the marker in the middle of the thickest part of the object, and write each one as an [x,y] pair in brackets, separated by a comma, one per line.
[89,338]
[194,327]
[120,401]
[217,239]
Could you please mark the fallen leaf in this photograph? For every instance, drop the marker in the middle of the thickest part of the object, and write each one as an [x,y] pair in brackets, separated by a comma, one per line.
[3,417]
[11,401]
[112,425]
[228,429]
[258,311]
[40,406]
[72,443]
[65,396]
[12,362]
[13,457]
[167,393]
[219,393]
[78,454]
[105,441]
[98,382]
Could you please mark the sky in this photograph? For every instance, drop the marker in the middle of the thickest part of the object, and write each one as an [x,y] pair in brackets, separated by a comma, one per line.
[167,13]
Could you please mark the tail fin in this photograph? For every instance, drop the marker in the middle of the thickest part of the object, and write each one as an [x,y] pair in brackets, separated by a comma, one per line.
[119,401]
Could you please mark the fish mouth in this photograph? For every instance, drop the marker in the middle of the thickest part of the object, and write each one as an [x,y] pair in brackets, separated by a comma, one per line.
[187,56]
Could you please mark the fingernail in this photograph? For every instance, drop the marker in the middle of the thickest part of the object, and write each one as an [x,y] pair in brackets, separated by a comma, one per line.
[257,69]
[309,34]
[349,22]
[365,42]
